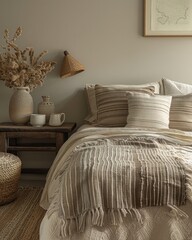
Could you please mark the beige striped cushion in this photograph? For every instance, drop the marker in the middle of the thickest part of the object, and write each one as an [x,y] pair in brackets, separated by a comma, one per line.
[181,112]
[90,91]
[112,106]
[148,111]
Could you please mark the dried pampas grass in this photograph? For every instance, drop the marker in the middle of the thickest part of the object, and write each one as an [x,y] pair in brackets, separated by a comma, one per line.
[20,68]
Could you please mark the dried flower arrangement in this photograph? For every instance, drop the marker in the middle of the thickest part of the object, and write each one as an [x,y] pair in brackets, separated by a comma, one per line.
[20,68]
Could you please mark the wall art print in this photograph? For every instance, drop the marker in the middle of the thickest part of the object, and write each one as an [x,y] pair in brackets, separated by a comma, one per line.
[167,18]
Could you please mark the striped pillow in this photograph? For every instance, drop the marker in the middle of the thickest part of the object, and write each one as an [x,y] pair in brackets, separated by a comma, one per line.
[181,112]
[90,91]
[148,111]
[112,106]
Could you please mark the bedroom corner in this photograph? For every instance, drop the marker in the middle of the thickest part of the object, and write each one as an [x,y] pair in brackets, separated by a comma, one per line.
[133,88]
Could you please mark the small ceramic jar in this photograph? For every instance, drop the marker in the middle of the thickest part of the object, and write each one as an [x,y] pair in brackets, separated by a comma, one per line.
[46,107]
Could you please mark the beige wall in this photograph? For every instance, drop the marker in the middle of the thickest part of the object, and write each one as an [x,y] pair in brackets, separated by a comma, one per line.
[104,35]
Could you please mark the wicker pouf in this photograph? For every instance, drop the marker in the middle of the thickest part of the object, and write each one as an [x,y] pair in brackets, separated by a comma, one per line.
[10,171]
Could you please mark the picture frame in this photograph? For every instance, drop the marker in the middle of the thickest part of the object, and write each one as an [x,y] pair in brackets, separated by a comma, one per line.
[167,18]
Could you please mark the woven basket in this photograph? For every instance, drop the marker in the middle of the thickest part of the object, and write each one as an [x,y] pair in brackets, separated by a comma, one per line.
[10,171]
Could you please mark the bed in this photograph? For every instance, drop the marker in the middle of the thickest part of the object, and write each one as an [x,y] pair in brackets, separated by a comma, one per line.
[125,175]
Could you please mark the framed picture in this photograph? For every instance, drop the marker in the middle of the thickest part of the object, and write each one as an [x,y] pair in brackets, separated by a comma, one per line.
[167,18]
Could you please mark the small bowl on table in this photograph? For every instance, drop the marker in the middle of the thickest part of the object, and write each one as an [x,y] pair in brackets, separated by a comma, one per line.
[37,120]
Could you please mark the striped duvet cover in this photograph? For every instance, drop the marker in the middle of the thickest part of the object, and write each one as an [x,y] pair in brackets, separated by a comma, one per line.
[104,176]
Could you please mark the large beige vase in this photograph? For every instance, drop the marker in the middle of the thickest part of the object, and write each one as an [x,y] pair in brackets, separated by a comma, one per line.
[21,105]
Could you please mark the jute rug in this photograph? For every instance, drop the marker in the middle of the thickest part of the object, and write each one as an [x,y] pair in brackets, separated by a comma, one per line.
[20,219]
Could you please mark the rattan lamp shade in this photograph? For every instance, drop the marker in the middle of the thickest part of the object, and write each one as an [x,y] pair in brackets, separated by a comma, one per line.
[70,66]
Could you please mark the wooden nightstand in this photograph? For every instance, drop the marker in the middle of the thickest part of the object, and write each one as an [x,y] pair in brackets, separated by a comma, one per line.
[12,138]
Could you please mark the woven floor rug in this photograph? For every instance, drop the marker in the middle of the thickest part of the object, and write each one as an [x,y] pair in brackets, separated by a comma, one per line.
[20,219]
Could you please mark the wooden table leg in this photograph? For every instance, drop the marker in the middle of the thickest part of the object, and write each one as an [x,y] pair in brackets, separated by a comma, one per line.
[59,140]
[12,142]
[3,142]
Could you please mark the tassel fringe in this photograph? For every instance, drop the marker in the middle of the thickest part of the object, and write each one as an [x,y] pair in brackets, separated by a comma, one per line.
[97,217]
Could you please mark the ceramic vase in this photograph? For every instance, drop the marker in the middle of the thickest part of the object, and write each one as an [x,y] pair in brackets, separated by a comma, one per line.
[20,105]
[46,107]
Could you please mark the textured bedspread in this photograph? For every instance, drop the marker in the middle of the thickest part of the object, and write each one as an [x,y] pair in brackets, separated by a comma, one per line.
[105,175]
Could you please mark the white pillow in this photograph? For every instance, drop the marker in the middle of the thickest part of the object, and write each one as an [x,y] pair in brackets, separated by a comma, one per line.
[151,111]
[173,88]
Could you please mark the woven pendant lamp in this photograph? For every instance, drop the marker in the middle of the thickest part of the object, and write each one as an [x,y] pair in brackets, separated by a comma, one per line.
[70,66]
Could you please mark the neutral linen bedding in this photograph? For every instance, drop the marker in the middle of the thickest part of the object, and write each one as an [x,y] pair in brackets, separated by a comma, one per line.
[120,183]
